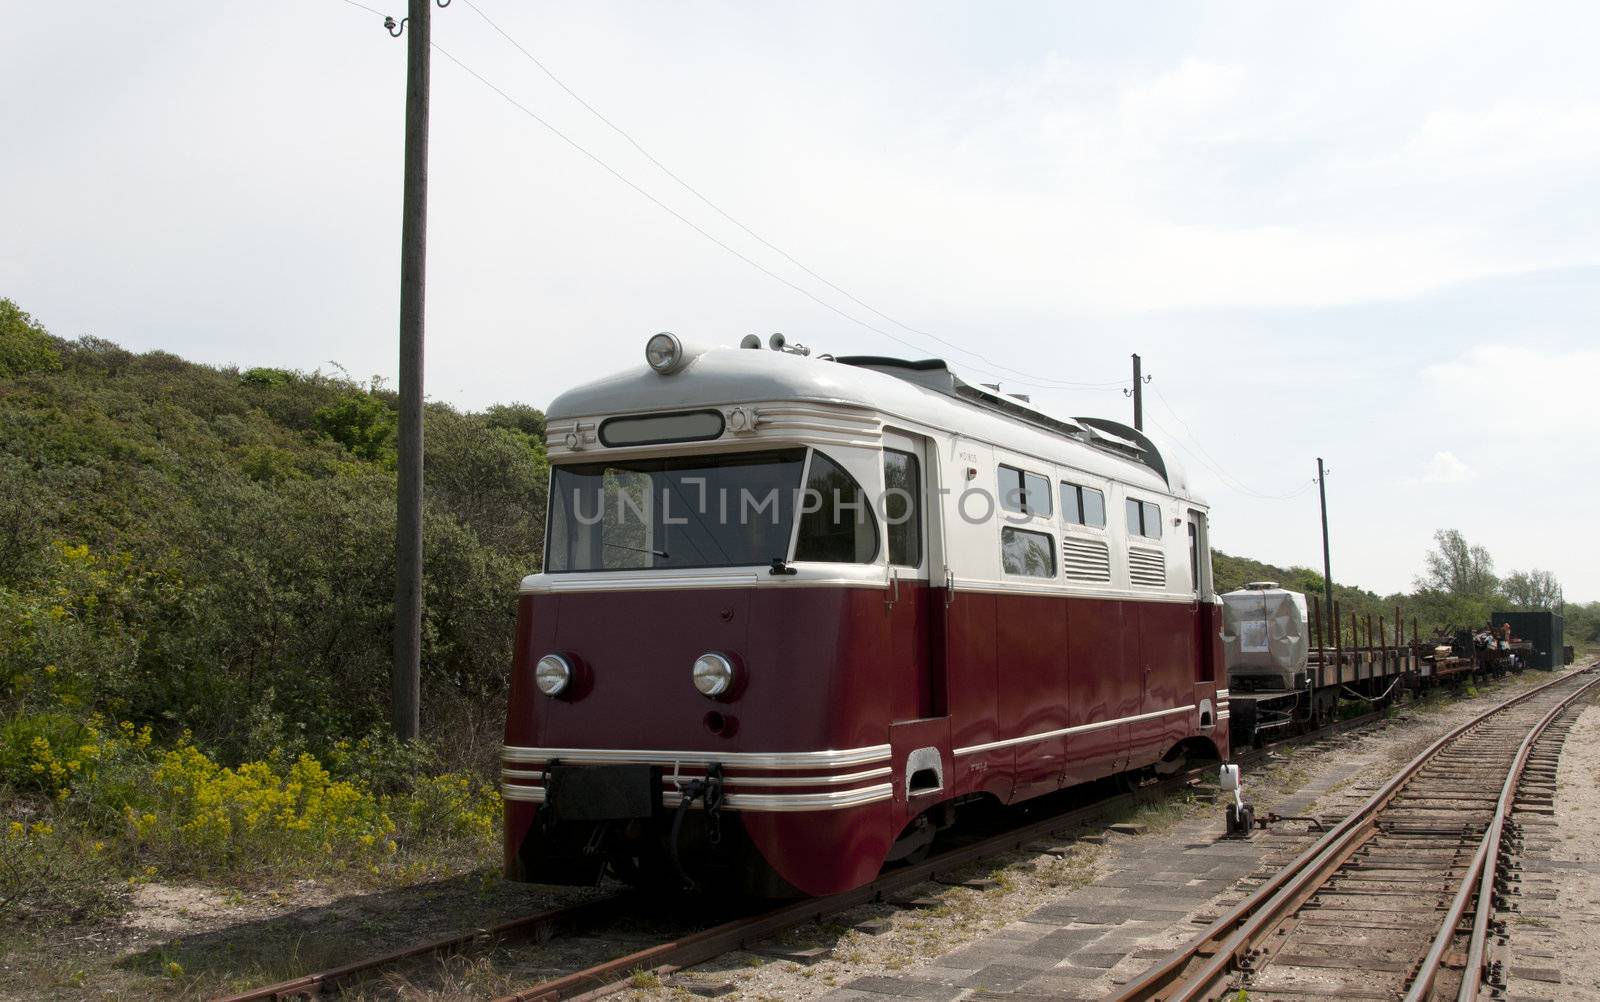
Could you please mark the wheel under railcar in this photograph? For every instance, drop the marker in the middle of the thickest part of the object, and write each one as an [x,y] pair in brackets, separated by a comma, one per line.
[796,611]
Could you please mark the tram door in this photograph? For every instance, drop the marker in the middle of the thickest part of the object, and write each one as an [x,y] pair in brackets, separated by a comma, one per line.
[1206,625]
[919,734]
[915,626]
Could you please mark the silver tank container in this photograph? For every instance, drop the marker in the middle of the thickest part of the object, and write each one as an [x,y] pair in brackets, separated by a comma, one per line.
[1264,636]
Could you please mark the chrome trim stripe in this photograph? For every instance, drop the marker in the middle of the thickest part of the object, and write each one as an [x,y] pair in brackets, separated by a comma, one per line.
[849,777]
[1098,725]
[832,800]
[1222,715]
[830,759]
[839,780]
[765,802]
[1222,694]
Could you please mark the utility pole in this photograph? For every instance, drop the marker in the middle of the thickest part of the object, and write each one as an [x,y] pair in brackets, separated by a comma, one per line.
[1327,567]
[407,674]
[1138,396]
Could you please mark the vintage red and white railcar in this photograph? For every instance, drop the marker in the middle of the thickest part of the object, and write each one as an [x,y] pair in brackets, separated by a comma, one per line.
[795,610]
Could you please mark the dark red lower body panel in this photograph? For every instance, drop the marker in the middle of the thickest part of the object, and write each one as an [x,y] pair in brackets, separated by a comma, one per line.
[1010,696]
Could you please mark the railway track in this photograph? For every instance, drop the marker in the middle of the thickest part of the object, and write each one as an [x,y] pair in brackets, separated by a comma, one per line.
[746,930]
[1397,900]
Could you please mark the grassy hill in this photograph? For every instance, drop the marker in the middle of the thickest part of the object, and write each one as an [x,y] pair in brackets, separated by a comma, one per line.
[193,545]
[196,579]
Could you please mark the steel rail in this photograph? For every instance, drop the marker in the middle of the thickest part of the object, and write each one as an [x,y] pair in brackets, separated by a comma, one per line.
[537,926]
[1231,937]
[1482,872]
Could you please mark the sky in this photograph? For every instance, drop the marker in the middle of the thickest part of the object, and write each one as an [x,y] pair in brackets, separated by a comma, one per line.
[1361,231]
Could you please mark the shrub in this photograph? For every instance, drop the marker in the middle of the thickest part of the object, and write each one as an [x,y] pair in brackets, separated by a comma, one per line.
[24,345]
[202,815]
[267,378]
[51,876]
[361,423]
[179,812]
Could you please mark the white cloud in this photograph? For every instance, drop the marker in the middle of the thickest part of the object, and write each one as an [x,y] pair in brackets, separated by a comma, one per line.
[1506,136]
[1523,395]
[1445,468]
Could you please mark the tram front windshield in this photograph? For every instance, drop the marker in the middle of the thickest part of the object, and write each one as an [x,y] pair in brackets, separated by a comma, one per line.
[687,511]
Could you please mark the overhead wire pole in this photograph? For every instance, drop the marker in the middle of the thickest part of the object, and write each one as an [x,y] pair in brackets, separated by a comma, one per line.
[1137,393]
[407,670]
[1327,567]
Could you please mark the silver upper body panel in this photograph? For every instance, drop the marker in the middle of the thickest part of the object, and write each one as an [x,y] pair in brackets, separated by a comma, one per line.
[926,398]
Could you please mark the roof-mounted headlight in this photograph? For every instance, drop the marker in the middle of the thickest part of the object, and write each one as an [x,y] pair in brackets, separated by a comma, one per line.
[713,675]
[552,674]
[664,352]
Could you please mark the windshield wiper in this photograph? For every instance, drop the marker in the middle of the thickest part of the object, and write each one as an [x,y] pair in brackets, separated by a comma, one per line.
[639,549]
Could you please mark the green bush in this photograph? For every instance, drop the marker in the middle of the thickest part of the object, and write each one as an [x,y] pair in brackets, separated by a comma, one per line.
[188,545]
[208,557]
[361,423]
[117,803]
[24,345]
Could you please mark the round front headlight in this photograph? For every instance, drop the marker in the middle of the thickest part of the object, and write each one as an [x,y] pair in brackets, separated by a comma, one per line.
[713,674]
[663,352]
[552,674]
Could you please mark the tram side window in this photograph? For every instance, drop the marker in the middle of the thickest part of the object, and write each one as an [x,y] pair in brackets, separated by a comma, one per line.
[1071,507]
[837,525]
[1031,554]
[1094,508]
[1023,492]
[902,507]
[1144,518]
[1083,505]
[1152,520]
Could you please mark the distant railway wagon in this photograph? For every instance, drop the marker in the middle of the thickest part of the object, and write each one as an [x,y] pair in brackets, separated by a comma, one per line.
[1288,671]
[796,611]
[1542,631]
[1290,664]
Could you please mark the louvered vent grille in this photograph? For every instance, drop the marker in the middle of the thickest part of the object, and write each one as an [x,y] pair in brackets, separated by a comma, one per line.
[1085,559]
[1147,568]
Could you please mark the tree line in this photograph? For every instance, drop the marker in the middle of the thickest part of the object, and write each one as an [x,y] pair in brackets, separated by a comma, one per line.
[1456,589]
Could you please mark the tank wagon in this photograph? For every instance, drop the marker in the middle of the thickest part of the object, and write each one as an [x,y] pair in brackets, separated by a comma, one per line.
[797,611]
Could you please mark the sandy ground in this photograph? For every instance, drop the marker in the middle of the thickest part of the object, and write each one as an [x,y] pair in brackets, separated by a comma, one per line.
[225,939]
[1558,937]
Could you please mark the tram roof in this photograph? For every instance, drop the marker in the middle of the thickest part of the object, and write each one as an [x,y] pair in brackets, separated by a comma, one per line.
[924,391]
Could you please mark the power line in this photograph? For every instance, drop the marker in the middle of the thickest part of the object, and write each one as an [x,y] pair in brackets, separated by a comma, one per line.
[1201,446]
[1211,463]
[1229,481]
[1052,383]
[364,7]
[696,227]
